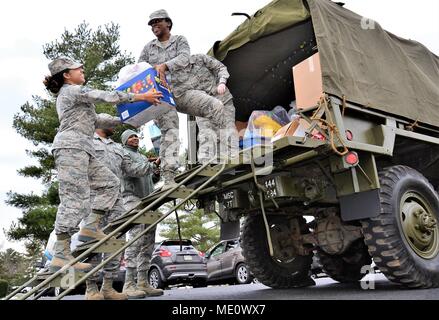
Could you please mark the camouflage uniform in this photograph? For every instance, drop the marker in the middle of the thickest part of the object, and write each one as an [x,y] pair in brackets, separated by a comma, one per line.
[112,155]
[195,91]
[175,54]
[135,186]
[75,157]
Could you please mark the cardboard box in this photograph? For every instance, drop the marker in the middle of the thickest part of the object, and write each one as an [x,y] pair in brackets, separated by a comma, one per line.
[296,128]
[308,84]
[139,113]
[240,127]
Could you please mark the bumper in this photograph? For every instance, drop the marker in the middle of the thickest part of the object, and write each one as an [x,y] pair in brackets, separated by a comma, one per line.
[186,273]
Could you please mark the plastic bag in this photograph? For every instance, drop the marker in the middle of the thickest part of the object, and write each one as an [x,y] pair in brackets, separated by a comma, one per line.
[130,71]
[263,125]
[50,247]
[155,135]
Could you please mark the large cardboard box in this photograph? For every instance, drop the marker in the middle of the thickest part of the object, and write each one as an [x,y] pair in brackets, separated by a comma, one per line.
[308,82]
[139,113]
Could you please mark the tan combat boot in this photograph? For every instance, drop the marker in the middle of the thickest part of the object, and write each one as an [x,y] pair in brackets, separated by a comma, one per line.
[143,284]
[63,256]
[91,231]
[108,291]
[130,289]
[92,292]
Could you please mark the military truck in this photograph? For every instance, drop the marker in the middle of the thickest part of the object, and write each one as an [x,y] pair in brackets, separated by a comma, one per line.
[359,185]
[370,185]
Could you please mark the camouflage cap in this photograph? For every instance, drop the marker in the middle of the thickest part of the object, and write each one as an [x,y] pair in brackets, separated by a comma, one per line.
[61,64]
[159,14]
[126,134]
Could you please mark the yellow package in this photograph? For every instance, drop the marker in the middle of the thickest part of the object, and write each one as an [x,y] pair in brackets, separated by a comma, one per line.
[267,125]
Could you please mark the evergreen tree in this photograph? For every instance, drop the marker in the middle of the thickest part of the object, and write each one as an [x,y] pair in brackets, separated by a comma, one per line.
[203,230]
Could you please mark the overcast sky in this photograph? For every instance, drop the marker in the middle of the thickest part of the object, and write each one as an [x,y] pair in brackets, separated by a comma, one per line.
[25,26]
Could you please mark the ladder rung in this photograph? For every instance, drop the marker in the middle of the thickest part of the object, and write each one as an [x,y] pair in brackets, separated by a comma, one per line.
[63,280]
[180,193]
[146,218]
[108,246]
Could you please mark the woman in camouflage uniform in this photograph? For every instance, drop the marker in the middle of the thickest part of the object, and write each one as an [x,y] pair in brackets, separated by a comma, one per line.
[78,169]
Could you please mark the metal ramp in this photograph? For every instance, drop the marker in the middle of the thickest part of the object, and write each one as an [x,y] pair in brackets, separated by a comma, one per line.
[190,184]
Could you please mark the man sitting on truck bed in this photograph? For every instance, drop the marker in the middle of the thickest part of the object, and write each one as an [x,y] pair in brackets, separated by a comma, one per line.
[200,89]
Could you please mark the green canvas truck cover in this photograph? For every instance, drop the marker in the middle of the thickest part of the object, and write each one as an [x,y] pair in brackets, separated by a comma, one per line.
[359,59]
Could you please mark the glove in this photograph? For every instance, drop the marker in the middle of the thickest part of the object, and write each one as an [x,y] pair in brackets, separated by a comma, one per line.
[221,89]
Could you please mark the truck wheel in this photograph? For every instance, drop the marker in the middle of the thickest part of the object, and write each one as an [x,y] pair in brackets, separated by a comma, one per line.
[346,267]
[285,269]
[403,239]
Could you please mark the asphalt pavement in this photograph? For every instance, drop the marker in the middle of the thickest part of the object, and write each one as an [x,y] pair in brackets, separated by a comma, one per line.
[326,289]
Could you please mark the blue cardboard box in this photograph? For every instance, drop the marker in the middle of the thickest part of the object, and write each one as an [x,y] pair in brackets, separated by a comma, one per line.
[140,112]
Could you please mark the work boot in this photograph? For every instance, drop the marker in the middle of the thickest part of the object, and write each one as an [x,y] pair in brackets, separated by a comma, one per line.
[149,291]
[63,256]
[143,284]
[91,231]
[130,289]
[108,291]
[92,291]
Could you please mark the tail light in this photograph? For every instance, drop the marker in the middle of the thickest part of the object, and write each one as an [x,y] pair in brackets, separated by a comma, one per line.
[165,253]
[201,254]
[349,135]
[352,158]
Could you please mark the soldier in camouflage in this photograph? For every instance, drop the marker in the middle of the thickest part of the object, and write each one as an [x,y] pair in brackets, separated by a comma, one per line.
[78,169]
[109,154]
[200,90]
[138,255]
[166,53]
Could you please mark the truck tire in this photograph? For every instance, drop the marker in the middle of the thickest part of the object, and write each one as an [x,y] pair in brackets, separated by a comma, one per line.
[346,267]
[404,238]
[272,272]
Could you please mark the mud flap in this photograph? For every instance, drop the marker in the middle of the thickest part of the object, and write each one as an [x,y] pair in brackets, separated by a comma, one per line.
[360,205]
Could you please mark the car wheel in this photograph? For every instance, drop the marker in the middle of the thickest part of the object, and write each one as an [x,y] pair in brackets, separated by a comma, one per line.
[155,279]
[242,274]
[58,291]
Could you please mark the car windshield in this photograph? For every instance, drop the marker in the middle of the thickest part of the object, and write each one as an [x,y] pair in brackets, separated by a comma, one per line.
[175,248]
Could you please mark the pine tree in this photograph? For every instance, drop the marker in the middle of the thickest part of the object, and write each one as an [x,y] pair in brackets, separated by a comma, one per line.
[203,230]
[37,121]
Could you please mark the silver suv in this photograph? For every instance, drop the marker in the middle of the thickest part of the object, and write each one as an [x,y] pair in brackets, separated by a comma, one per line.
[225,263]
